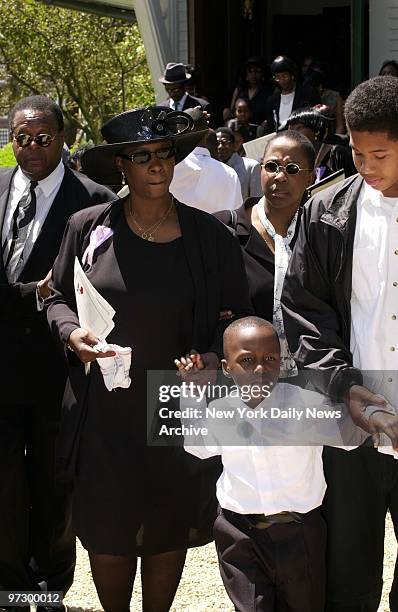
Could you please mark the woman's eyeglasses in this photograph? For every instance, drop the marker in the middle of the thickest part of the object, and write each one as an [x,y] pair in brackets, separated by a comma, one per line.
[143,157]
[24,140]
[272,167]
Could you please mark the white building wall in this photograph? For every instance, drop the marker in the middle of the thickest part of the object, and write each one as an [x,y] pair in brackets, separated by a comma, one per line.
[182,35]
[164,28]
[383,33]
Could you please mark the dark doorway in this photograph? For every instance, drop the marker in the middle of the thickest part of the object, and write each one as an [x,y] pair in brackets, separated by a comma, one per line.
[227,32]
[326,37]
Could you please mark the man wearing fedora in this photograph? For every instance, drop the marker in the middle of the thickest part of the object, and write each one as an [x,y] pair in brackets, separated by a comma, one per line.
[175,78]
[37,545]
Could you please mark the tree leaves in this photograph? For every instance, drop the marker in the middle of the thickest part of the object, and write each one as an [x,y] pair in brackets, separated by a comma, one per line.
[95,67]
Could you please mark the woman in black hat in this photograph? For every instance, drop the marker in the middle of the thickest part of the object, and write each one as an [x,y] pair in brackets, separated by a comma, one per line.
[168,270]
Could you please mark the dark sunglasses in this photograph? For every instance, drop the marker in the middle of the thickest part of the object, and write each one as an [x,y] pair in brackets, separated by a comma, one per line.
[291,168]
[143,157]
[24,140]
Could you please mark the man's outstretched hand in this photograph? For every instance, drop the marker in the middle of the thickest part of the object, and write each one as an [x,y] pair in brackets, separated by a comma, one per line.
[357,399]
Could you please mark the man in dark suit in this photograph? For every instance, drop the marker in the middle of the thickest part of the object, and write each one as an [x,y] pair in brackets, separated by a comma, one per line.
[37,545]
[292,95]
[175,78]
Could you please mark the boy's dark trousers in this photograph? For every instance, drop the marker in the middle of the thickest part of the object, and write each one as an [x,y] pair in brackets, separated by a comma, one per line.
[362,486]
[280,568]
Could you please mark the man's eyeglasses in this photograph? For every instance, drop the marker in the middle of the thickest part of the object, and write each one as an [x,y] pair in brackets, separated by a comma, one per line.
[282,76]
[291,168]
[143,157]
[24,140]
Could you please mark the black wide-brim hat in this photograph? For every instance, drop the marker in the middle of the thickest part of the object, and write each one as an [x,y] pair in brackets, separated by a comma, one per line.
[139,126]
[175,73]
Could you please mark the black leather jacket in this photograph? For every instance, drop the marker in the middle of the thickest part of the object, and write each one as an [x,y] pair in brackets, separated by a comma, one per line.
[317,290]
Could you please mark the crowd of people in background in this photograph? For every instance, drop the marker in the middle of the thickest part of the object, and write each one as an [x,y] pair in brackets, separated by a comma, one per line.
[258,249]
[269,99]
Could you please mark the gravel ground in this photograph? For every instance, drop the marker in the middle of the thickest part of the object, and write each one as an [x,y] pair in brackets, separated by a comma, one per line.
[201,589]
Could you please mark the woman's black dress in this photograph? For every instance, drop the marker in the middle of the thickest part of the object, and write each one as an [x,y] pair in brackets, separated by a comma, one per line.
[131,498]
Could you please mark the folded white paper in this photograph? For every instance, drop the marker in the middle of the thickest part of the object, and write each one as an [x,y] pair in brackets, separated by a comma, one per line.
[96,315]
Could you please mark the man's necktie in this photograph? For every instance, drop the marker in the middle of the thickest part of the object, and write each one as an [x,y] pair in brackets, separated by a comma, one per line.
[23,220]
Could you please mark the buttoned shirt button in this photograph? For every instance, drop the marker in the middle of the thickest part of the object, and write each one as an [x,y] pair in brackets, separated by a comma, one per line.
[396,252]
[395,284]
[393,317]
[392,348]
[389,379]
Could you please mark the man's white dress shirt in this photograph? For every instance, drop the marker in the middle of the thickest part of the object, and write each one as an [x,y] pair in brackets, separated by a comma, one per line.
[46,191]
[286,107]
[374,298]
[177,105]
[206,183]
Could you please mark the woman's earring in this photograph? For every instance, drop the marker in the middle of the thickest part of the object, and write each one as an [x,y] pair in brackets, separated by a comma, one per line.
[224,369]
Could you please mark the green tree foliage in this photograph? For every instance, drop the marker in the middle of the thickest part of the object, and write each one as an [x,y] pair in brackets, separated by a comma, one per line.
[7,156]
[95,67]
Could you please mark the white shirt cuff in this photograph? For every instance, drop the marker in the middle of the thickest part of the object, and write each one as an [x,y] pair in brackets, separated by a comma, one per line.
[369,410]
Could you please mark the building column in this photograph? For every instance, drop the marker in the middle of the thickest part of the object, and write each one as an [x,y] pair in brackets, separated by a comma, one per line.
[383,30]
[163,26]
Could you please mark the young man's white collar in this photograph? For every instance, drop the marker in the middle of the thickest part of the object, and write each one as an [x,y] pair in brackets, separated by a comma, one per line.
[376,198]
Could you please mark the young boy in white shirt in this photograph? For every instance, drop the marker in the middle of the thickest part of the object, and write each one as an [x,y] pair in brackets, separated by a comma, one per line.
[270,535]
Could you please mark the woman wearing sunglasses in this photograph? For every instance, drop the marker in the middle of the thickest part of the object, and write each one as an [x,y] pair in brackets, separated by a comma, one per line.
[267,227]
[168,270]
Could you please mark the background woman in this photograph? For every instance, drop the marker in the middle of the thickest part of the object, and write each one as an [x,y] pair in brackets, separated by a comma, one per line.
[254,88]
[329,157]
[389,68]
[329,98]
[168,270]
[241,120]
[267,227]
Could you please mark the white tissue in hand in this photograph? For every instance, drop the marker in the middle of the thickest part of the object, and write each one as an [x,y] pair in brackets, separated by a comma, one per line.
[115,370]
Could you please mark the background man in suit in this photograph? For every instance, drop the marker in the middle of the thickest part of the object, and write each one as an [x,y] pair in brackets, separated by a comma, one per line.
[175,78]
[248,170]
[36,199]
[292,95]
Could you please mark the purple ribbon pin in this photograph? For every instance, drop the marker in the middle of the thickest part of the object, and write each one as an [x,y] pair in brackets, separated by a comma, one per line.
[97,237]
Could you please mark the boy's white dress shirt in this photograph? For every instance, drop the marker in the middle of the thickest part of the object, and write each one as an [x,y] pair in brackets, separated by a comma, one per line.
[265,476]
